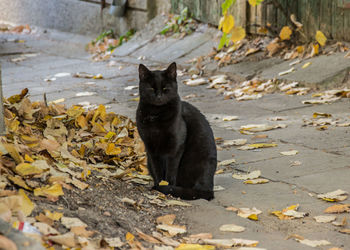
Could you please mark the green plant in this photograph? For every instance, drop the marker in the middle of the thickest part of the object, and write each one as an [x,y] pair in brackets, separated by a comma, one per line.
[182,23]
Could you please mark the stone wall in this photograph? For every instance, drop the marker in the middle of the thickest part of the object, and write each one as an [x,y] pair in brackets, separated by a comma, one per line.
[80,16]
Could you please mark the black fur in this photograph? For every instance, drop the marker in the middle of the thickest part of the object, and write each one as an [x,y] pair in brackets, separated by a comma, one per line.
[179,142]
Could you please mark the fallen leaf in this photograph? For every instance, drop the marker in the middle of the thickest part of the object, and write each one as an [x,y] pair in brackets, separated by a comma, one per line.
[289,153]
[289,213]
[325,218]
[195,82]
[237,142]
[231,242]
[114,242]
[340,223]
[163,183]
[19,182]
[246,212]
[55,190]
[339,208]
[286,71]
[285,33]
[147,237]
[314,243]
[66,239]
[252,175]
[345,231]
[166,219]
[230,118]
[257,145]
[306,65]
[261,127]
[256,181]
[184,246]
[178,203]
[172,229]
[317,114]
[45,229]
[338,195]
[231,228]
[27,205]
[81,231]
[25,169]
[226,162]
[70,222]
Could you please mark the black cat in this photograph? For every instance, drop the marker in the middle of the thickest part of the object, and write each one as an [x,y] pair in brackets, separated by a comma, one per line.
[179,141]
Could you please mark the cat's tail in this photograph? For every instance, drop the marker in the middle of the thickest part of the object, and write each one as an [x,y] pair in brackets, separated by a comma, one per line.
[185,193]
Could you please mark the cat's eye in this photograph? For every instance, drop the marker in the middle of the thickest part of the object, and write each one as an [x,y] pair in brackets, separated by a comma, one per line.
[165,89]
[152,89]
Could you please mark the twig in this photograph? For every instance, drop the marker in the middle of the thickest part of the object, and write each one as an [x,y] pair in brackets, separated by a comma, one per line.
[45,100]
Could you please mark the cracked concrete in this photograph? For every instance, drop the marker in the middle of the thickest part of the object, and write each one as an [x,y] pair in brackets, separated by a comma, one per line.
[324,155]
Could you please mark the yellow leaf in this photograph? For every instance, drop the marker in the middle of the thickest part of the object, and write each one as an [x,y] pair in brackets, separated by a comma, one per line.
[300,49]
[54,190]
[28,158]
[100,112]
[98,76]
[75,111]
[317,114]
[12,150]
[53,215]
[12,125]
[315,50]
[306,65]
[109,135]
[82,122]
[253,217]
[27,205]
[237,34]
[98,129]
[228,23]
[27,169]
[129,236]
[285,33]
[184,246]
[112,150]
[163,183]
[255,2]
[321,38]
[19,181]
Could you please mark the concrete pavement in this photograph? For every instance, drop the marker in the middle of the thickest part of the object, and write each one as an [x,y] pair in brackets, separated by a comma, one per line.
[324,155]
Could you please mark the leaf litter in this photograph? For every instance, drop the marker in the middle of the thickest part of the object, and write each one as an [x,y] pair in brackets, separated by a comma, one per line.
[62,171]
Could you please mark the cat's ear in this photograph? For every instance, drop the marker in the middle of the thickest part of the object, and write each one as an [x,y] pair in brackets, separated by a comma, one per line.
[171,71]
[144,73]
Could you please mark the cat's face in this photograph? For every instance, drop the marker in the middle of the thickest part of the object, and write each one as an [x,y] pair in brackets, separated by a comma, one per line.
[158,87]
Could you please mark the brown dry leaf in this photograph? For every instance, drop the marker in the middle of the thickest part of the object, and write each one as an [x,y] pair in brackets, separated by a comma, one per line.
[70,222]
[252,175]
[325,218]
[81,231]
[231,228]
[237,34]
[147,237]
[231,242]
[338,195]
[45,229]
[339,208]
[19,181]
[314,243]
[166,219]
[257,145]
[345,231]
[66,239]
[226,162]
[166,240]
[172,229]
[43,218]
[289,213]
